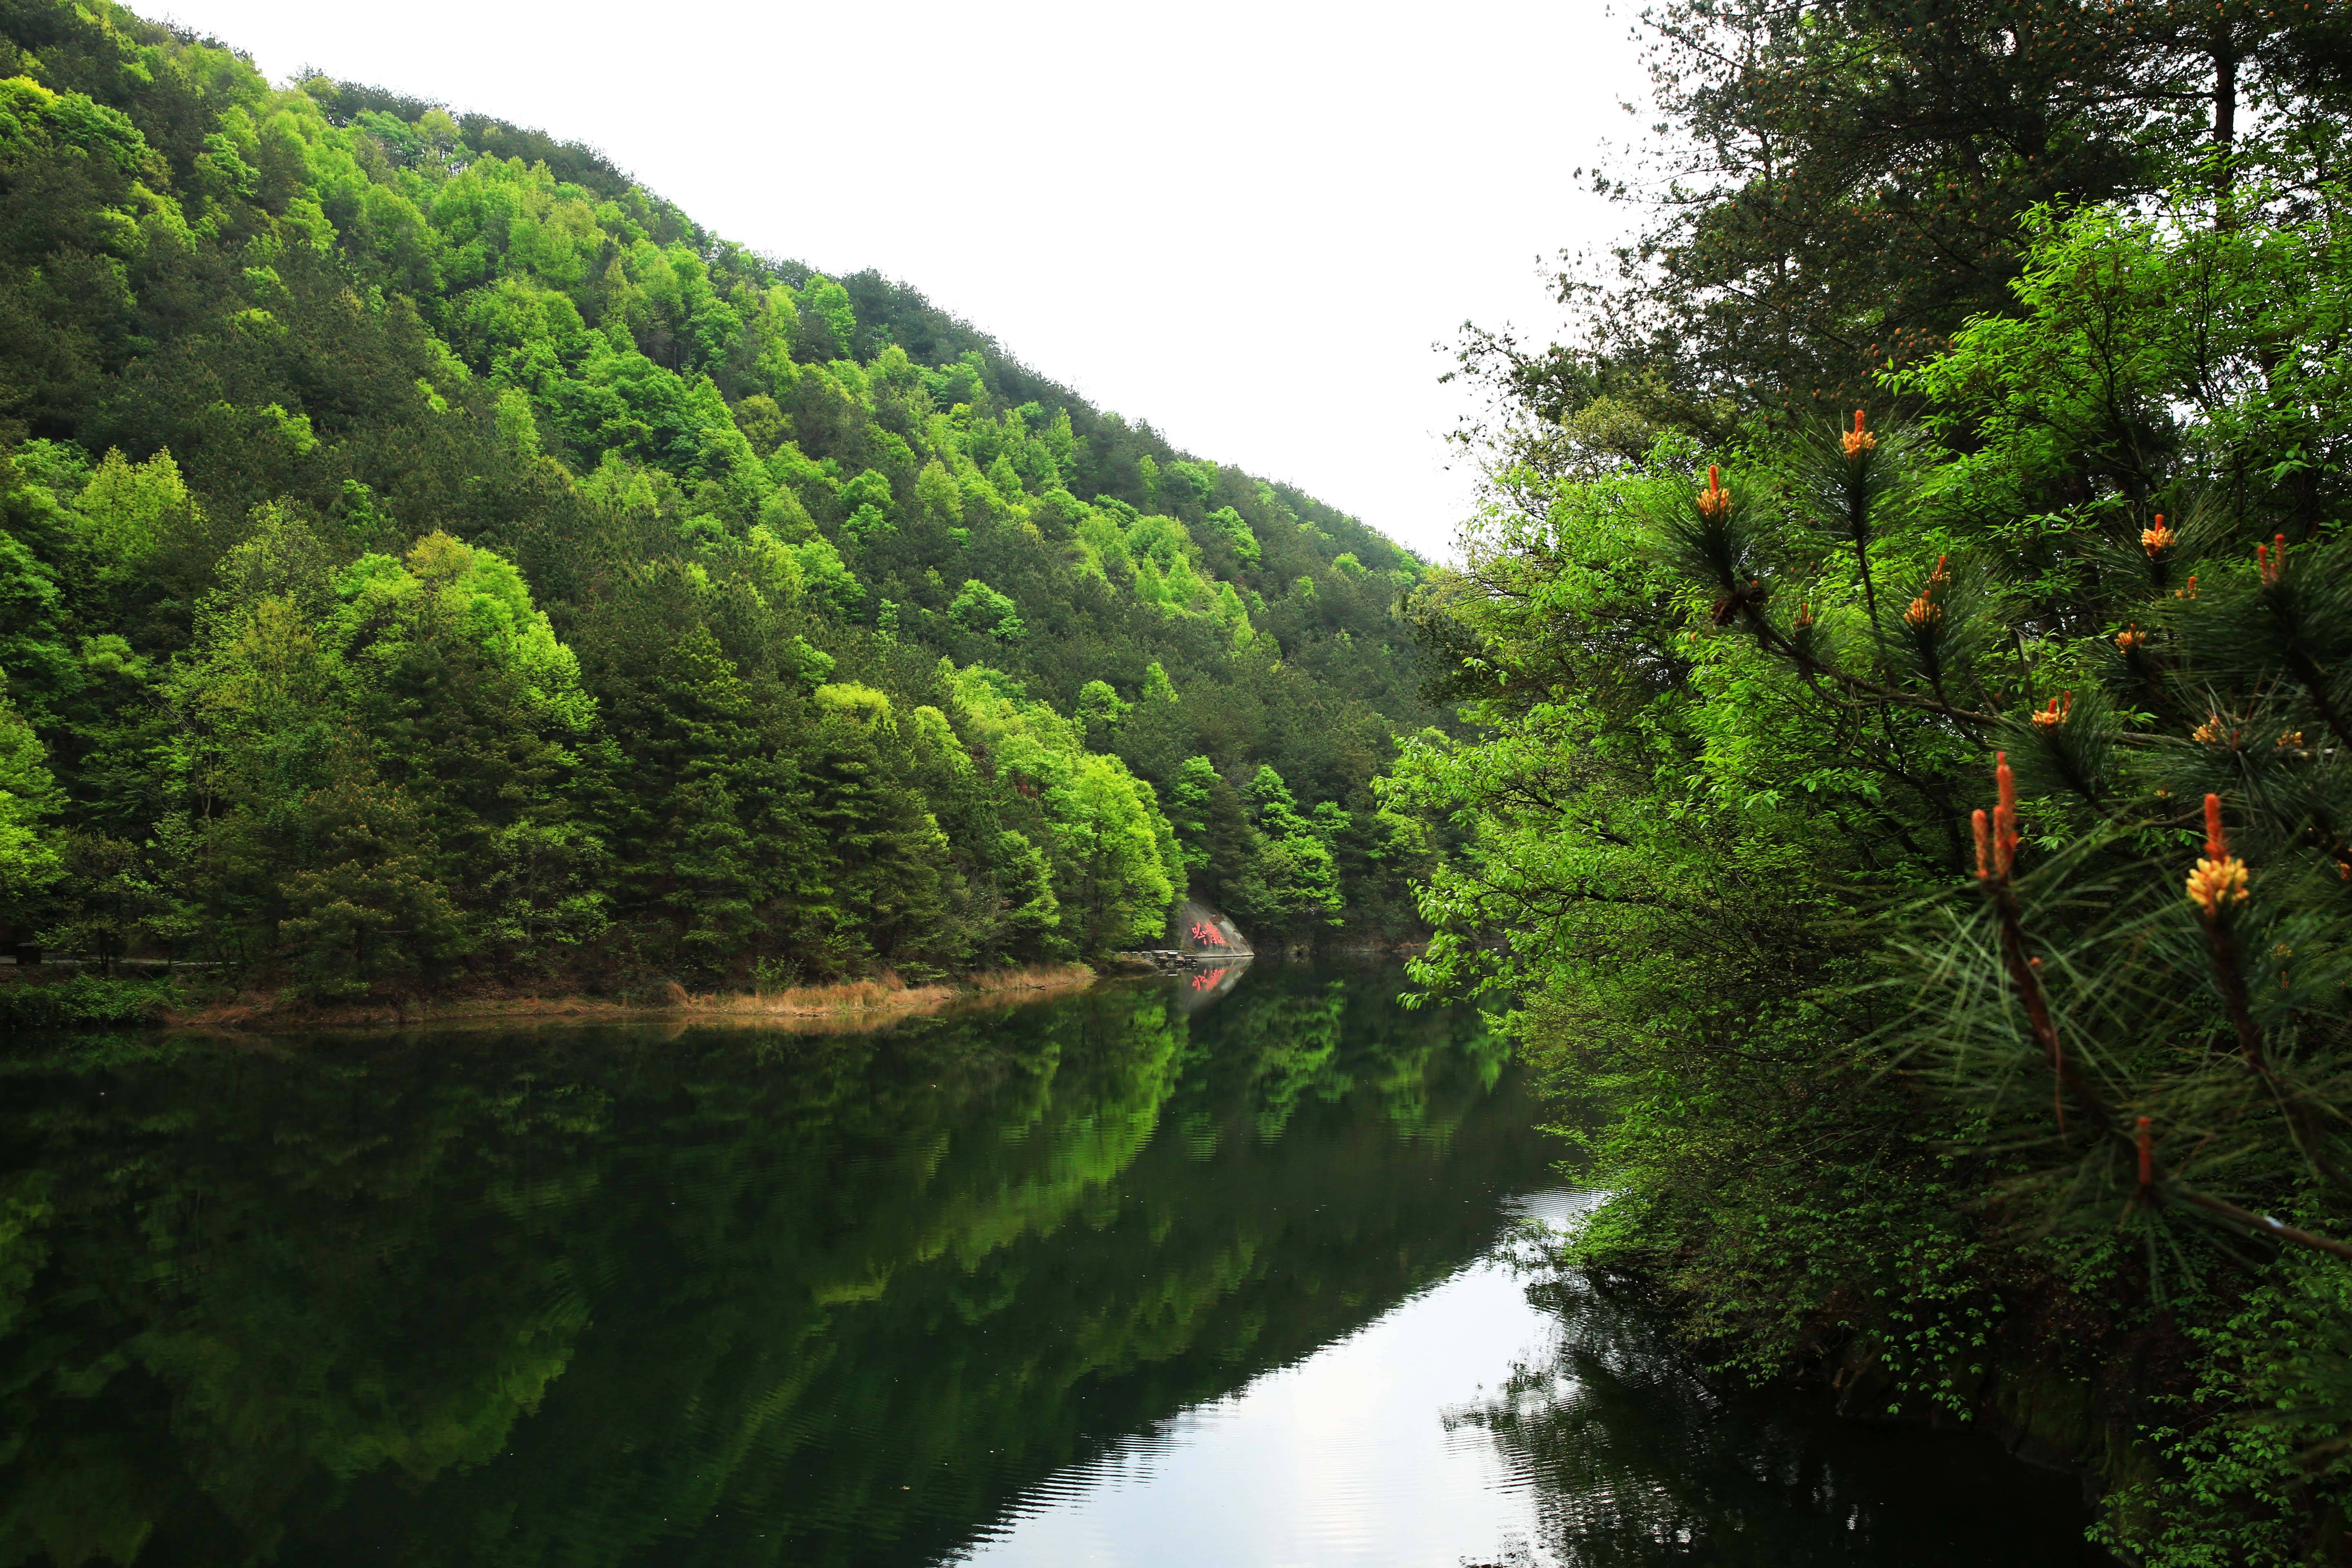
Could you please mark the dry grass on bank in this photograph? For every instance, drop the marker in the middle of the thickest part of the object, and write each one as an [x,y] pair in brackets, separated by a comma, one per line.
[855,1005]
[884,994]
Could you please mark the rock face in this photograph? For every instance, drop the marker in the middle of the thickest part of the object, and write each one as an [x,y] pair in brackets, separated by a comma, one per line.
[1196,928]
[1199,942]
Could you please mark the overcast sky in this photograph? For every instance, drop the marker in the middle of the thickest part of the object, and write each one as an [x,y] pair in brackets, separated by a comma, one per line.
[1246,223]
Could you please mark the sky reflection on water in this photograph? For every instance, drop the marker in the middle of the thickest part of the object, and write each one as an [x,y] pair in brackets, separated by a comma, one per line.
[1463,1428]
[1342,1458]
[1111,1280]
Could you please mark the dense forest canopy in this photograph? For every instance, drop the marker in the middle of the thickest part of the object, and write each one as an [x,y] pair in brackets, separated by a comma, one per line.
[428,554]
[1908,643]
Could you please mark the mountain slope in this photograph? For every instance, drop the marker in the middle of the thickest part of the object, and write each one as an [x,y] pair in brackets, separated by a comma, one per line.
[430,555]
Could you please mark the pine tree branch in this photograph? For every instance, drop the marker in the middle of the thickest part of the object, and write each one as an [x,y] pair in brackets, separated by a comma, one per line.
[1772,641]
[2262,1225]
[2315,685]
[2239,1005]
[2334,848]
[2025,980]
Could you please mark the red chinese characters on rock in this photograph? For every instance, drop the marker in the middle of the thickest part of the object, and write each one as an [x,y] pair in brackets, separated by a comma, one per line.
[1202,932]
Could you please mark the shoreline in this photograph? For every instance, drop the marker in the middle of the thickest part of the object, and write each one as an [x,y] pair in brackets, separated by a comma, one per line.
[845,1008]
[53,1005]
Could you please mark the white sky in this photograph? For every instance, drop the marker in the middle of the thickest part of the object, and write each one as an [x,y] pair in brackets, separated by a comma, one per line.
[1247,223]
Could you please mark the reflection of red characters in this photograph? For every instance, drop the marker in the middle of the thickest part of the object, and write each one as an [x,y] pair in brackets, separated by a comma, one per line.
[1204,931]
[1207,982]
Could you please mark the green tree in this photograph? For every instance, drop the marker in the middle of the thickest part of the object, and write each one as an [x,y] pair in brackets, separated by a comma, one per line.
[473,710]
[702,853]
[29,853]
[887,847]
[1289,880]
[1100,713]
[1918,838]
[980,609]
[363,901]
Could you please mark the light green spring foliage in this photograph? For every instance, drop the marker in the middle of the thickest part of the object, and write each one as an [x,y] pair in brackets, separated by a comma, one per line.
[479,594]
[1114,854]
[129,509]
[980,609]
[28,799]
[1293,871]
[1190,803]
[1712,851]
[665,491]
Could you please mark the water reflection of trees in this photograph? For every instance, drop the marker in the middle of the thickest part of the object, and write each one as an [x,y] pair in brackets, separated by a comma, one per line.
[1320,1039]
[598,1297]
[1634,1457]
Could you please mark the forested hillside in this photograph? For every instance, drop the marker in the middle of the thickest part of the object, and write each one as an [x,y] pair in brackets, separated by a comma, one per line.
[1910,649]
[429,556]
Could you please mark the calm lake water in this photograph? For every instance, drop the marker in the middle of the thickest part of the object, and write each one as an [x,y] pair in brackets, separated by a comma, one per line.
[1152,1275]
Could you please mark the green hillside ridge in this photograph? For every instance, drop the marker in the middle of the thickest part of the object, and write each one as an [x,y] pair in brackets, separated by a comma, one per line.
[429,556]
